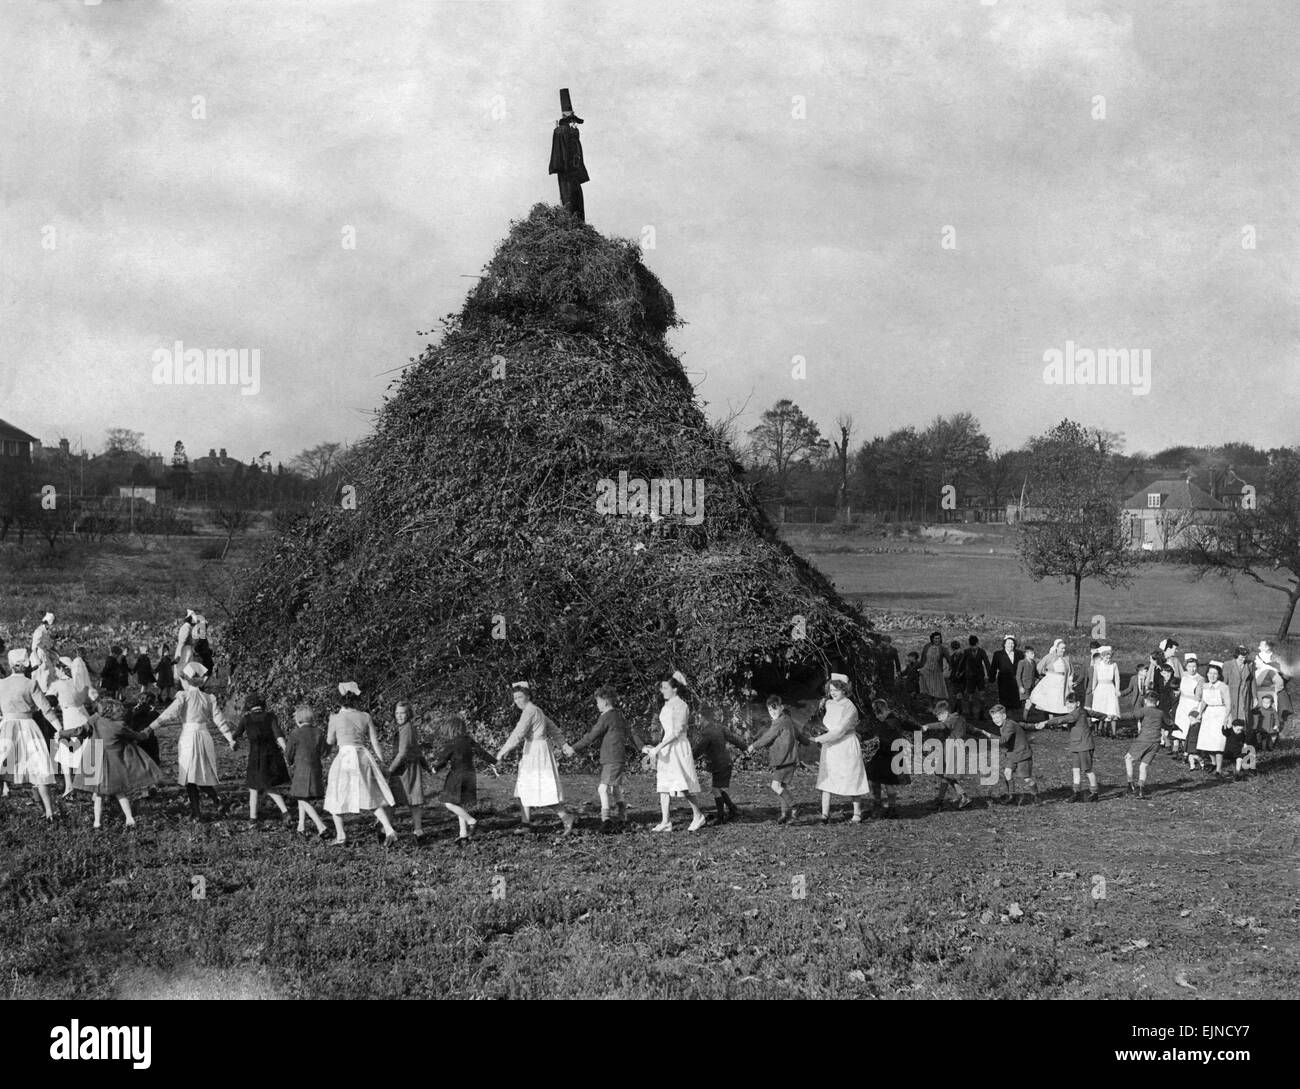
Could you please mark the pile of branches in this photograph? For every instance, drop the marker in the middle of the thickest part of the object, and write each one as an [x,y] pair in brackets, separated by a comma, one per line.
[476,554]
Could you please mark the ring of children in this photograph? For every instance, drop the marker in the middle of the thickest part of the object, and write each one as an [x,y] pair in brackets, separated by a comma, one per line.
[862,576]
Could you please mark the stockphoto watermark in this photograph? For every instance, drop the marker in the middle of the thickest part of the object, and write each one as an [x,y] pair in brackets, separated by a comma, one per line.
[1100,367]
[120,1043]
[182,366]
[923,755]
[661,497]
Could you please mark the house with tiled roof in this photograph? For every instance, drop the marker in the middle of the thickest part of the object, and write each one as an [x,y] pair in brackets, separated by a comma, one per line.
[1165,513]
[15,443]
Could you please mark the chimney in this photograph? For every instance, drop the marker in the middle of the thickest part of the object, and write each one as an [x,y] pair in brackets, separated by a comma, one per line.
[211,453]
[223,453]
[64,446]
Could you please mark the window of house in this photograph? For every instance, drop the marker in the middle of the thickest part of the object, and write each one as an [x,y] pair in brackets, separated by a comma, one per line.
[1153,499]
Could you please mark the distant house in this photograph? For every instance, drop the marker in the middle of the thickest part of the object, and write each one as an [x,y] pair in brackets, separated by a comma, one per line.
[15,443]
[150,494]
[1164,513]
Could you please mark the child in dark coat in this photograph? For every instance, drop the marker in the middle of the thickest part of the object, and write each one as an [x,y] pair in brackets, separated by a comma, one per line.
[1237,749]
[884,780]
[267,771]
[711,746]
[782,740]
[1079,720]
[305,750]
[1265,729]
[1147,745]
[614,732]
[409,769]
[460,788]
[1017,752]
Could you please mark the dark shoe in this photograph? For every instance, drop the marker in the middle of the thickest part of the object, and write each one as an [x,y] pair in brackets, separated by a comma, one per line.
[784,818]
[1131,788]
[324,833]
[1094,797]
[1075,797]
[606,826]
[825,820]
[462,841]
[889,813]
[1141,793]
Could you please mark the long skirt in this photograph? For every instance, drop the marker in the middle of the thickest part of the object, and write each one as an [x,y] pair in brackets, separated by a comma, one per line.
[196,756]
[356,783]
[24,753]
[1105,699]
[675,769]
[538,782]
[841,771]
[1211,737]
[125,771]
[1049,693]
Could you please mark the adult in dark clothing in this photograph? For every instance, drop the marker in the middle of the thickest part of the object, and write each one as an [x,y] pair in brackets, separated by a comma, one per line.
[970,674]
[1002,669]
[890,668]
[166,677]
[567,161]
[112,678]
[143,669]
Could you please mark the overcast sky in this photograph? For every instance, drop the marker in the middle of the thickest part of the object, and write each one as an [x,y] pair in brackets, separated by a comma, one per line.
[781,232]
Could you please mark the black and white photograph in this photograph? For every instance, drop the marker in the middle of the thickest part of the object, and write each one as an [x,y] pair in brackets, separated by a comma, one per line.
[722,500]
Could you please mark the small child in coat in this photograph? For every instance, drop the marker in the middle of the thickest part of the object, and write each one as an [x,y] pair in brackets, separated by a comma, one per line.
[1265,724]
[1237,749]
[1146,745]
[305,751]
[1026,676]
[713,739]
[613,731]
[884,780]
[460,788]
[782,740]
[409,768]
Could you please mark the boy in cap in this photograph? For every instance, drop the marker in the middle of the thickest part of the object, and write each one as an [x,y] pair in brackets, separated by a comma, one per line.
[952,727]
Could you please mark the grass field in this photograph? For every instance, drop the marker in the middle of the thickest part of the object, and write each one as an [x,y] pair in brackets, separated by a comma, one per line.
[1190,893]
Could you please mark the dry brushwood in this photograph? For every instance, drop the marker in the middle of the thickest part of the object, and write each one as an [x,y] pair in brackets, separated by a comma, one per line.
[476,554]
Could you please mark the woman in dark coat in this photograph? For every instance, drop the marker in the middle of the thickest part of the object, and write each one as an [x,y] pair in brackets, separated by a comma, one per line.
[112,762]
[409,768]
[166,677]
[1003,667]
[267,770]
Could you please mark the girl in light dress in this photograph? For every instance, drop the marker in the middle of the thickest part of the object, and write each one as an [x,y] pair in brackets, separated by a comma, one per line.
[675,775]
[1055,683]
[24,754]
[74,706]
[840,769]
[537,785]
[356,780]
[1105,690]
[1216,700]
[196,712]
[1189,701]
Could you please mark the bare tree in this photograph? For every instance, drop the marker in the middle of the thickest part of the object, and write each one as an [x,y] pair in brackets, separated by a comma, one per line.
[844,421]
